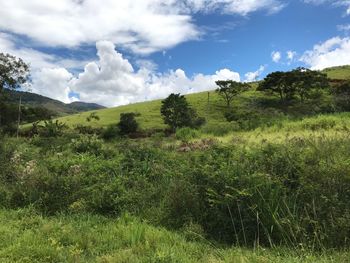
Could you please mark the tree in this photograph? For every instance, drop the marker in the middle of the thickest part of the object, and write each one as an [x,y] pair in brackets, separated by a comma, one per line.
[127,123]
[306,80]
[300,81]
[228,89]
[278,82]
[14,72]
[92,116]
[341,93]
[177,113]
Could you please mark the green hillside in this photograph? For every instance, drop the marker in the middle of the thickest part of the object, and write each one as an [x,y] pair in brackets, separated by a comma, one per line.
[264,107]
[341,72]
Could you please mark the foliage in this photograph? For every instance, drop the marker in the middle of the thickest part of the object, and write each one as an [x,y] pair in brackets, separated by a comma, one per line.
[228,89]
[286,191]
[300,81]
[341,93]
[51,128]
[92,116]
[306,80]
[14,72]
[186,134]
[28,236]
[127,123]
[87,144]
[86,129]
[111,132]
[177,113]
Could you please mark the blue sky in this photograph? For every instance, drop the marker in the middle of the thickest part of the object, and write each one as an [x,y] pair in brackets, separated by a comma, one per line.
[118,52]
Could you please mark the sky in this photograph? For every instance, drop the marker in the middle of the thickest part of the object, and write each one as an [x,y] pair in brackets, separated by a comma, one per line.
[116,52]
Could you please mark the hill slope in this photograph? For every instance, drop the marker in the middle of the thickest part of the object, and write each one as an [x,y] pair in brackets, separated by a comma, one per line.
[341,72]
[262,107]
[35,100]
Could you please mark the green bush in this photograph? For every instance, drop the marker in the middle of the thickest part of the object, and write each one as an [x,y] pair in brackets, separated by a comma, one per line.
[87,144]
[111,132]
[51,128]
[127,123]
[186,134]
[292,193]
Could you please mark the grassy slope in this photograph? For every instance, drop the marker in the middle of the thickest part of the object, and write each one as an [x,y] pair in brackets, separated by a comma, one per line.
[29,237]
[341,72]
[150,110]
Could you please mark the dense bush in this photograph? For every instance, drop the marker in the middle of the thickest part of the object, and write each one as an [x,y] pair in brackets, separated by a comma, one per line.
[111,132]
[186,134]
[127,123]
[291,193]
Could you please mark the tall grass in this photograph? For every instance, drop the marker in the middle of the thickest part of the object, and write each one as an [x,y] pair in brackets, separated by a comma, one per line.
[291,193]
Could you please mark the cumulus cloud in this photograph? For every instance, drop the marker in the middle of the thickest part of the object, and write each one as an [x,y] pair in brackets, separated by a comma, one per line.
[53,83]
[144,26]
[276,56]
[113,81]
[253,76]
[333,52]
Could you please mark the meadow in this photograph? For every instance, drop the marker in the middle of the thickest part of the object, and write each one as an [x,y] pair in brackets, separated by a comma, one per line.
[273,185]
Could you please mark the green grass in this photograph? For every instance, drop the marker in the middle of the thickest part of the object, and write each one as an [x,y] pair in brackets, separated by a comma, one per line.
[29,237]
[341,72]
[150,117]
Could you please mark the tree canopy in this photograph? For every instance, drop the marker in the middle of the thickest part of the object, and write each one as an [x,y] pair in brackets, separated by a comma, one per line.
[300,81]
[14,72]
[228,89]
[177,113]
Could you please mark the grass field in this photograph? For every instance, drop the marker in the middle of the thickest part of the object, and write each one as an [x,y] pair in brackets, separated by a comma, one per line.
[29,237]
[341,72]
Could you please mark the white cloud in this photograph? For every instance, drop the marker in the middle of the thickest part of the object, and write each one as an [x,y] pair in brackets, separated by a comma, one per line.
[112,80]
[291,55]
[333,52]
[253,76]
[345,28]
[344,3]
[276,56]
[53,83]
[144,26]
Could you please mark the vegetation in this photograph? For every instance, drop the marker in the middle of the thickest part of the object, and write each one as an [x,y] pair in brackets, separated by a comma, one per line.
[127,123]
[58,108]
[269,184]
[177,113]
[27,236]
[300,81]
[228,89]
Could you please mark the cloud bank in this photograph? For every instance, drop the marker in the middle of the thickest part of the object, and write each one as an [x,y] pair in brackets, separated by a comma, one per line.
[143,26]
[332,52]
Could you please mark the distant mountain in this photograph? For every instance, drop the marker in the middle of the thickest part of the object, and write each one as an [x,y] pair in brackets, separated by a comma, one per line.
[62,109]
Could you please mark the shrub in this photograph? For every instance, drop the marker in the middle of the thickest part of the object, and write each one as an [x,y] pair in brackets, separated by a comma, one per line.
[51,128]
[186,134]
[87,144]
[111,132]
[177,113]
[86,129]
[128,123]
